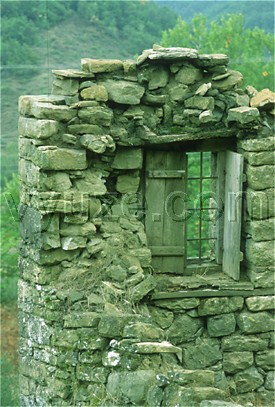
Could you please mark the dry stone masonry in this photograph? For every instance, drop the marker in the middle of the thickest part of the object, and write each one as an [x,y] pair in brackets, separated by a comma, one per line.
[99,324]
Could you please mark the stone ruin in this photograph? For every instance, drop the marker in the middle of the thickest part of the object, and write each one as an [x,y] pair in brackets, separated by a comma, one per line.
[112,310]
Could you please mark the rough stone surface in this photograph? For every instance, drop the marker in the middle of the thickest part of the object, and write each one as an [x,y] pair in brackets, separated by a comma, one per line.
[205,353]
[260,303]
[127,184]
[65,86]
[53,158]
[97,115]
[97,143]
[100,65]
[230,82]
[242,343]
[243,114]
[260,204]
[258,145]
[260,253]
[270,381]
[192,377]
[131,385]
[234,362]
[221,325]
[218,403]
[265,359]
[124,92]
[199,102]
[261,177]
[260,158]
[38,129]
[128,159]
[215,306]
[250,323]
[178,305]
[183,329]
[184,396]
[188,75]
[248,380]
[264,99]
[96,92]
[262,230]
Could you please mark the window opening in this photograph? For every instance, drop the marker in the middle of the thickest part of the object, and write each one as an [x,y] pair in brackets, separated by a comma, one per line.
[193,211]
[201,184]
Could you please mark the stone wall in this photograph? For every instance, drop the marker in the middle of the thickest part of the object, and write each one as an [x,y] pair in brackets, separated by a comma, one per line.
[99,326]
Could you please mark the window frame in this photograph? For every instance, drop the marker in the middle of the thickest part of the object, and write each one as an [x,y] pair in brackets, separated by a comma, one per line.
[224,166]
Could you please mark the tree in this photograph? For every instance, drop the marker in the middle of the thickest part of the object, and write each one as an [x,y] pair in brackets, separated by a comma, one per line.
[251,51]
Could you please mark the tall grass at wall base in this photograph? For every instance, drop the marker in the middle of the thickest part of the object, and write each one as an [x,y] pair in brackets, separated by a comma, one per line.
[9,384]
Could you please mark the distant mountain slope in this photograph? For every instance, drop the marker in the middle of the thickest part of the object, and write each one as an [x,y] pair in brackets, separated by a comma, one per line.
[257,13]
[91,29]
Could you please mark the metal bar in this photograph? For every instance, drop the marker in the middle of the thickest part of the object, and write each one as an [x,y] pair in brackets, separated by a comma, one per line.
[203,238]
[201,209]
[200,218]
[194,178]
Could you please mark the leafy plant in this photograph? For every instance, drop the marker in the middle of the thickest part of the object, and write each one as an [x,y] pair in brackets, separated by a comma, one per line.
[250,50]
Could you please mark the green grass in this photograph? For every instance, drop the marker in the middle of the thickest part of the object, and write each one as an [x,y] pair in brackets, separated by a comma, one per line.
[9,384]
[8,288]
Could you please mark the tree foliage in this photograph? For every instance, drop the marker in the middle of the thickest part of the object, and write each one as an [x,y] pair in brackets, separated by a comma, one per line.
[251,51]
[22,22]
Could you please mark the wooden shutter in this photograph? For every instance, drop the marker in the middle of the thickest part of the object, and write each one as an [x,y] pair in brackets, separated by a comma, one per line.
[165,209]
[232,214]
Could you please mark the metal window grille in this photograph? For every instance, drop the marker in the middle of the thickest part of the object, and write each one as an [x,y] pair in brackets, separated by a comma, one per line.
[201,181]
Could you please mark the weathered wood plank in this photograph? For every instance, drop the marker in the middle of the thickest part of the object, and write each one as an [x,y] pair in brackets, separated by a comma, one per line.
[166,174]
[165,209]
[167,250]
[155,197]
[175,210]
[232,214]
[213,293]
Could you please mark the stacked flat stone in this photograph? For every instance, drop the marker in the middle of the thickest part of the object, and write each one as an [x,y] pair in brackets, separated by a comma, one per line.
[93,329]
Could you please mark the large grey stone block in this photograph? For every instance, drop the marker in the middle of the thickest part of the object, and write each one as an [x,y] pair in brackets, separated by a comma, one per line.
[258,145]
[37,129]
[124,92]
[248,380]
[184,329]
[97,115]
[260,204]
[132,386]
[54,158]
[222,305]
[260,177]
[128,159]
[101,65]
[260,303]
[266,359]
[234,362]
[221,325]
[241,343]
[262,230]
[260,253]
[255,322]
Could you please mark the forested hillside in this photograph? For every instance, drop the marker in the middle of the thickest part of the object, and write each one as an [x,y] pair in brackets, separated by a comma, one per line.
[258,13]
[38,36]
